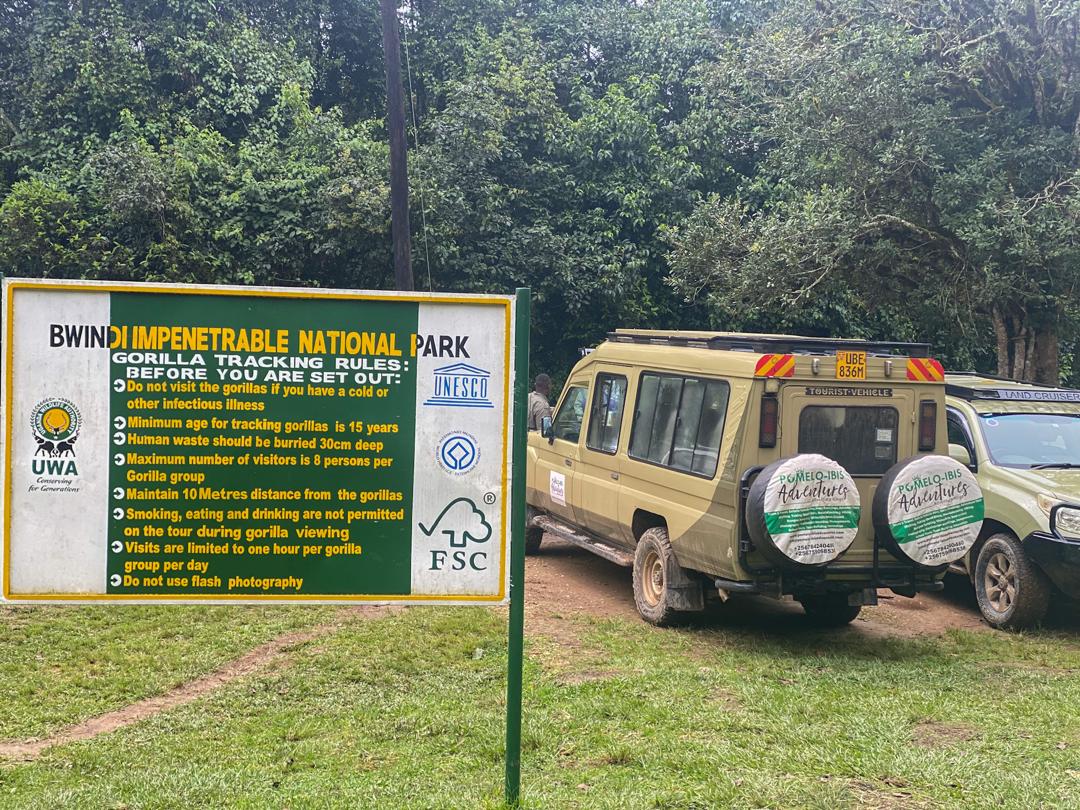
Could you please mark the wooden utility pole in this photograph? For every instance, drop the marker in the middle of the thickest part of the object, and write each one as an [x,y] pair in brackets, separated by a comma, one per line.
[395,123]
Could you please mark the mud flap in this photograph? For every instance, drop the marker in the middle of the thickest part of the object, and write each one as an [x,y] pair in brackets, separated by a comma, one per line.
[686,592]
[867,596]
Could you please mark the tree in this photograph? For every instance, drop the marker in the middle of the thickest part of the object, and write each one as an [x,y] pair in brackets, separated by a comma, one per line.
[243,142]
[921,159]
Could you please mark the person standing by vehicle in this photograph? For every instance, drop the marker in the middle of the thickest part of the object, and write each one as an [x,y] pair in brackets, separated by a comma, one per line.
[539,407]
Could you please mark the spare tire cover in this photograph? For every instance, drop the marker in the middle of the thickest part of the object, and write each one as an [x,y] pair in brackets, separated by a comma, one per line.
[928,509]
[803,511]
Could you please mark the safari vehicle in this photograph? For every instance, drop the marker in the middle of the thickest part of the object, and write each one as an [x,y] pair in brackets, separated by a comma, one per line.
[1022,442]
[717,463]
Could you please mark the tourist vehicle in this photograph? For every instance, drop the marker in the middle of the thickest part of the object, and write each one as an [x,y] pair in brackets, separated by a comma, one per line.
[717,464]
[1022,442]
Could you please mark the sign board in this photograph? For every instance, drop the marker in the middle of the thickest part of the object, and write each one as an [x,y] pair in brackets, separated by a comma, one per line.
[188,443]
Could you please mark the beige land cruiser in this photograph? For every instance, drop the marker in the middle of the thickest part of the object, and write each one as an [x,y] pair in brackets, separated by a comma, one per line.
[716,464]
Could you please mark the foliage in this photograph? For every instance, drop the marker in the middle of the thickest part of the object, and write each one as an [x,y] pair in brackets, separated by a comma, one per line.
[906,153]
[887,169]
[553,143]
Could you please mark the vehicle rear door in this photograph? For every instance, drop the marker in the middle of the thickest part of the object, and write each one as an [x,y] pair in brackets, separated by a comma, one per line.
[866,429]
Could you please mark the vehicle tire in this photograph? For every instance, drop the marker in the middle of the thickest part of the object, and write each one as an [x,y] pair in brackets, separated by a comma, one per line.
[655,567]
[935,548]
[830,610]
[1012,592]
[534,536]
[814,544]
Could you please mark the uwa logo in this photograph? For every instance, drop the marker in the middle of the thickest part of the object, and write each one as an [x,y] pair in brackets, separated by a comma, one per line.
[55,425]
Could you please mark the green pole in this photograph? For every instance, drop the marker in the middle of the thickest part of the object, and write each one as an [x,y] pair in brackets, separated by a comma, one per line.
[517,550]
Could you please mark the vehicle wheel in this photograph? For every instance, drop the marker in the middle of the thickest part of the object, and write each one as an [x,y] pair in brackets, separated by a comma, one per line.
[1012,592]
[830,610]
[654,568]
[534,536]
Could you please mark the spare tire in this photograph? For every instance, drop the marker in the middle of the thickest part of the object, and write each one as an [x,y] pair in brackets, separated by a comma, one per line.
[928,510]
[803,511]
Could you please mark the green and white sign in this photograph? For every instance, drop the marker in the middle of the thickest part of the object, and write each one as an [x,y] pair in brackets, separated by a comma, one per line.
[935,510]
[811,509]
[183,443]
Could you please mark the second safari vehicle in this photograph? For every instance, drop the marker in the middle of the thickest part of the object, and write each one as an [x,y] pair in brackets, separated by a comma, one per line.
[1022,442]
[717,464]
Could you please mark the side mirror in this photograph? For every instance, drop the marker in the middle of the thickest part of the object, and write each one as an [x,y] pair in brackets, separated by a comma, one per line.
[545,429]
[957,452]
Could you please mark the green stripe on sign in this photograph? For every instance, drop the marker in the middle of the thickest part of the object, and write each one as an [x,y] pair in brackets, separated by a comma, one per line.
[941,520]
[812,517]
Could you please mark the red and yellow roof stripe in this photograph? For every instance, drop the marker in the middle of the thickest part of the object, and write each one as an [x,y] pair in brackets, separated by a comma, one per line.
[924,369]
[775,365]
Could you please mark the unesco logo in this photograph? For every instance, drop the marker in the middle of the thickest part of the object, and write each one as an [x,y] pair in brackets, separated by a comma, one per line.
[461,386]
[458,452]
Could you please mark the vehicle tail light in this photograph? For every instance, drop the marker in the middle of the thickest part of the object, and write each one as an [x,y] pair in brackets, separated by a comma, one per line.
[927,425]
[770,411]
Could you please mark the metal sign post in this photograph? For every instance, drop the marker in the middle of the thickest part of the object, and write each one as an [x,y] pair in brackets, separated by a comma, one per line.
[517,552]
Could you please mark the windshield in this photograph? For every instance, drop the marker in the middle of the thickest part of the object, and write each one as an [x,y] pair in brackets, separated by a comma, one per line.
[1032,439]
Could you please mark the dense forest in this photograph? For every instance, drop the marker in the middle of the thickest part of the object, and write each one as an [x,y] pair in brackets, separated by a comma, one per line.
[895,169]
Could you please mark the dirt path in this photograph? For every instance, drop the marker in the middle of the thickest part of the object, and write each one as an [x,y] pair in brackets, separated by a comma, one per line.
[564,581]
[258,658]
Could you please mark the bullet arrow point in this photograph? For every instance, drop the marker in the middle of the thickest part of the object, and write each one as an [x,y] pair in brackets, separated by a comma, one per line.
[118,386]
[115,580]
[117,546]
[118,514]
[119,438]
[118,493]
[118,459]
[119,423]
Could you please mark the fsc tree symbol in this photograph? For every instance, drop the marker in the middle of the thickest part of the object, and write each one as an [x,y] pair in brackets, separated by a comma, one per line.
[461,521]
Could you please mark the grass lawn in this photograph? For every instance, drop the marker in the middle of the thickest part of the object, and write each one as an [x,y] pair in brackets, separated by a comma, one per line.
[406,711]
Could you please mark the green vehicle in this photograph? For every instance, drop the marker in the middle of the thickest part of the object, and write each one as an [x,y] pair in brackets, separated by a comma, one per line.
[1022,441]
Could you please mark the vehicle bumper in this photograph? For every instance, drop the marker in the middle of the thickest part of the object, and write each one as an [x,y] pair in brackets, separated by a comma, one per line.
[1059,559]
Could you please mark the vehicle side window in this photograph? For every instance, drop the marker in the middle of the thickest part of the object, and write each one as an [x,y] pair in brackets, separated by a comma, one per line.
[567,424]
[605,419]
[957,434]
[678,422]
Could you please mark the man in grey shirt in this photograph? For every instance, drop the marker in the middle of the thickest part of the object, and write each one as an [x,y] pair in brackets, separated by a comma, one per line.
[539,407]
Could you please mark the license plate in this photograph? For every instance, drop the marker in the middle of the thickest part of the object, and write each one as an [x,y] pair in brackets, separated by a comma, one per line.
[851,365]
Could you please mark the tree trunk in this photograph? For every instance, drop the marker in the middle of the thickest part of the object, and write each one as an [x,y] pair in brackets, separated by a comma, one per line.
[1048,358]
[1028,348]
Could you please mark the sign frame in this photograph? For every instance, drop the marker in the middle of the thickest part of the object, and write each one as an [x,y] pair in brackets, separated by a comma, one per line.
[511,347]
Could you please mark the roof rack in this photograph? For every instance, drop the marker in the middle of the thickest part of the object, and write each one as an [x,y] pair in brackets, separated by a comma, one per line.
[779,344]
[984,376]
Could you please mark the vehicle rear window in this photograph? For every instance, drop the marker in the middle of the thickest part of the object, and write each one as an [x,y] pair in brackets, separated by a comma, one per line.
[860,439]
[678,422]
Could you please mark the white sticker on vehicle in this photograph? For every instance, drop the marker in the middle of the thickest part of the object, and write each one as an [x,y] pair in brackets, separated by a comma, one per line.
[935,510]
[811,509]
[884,434]
[557,488]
